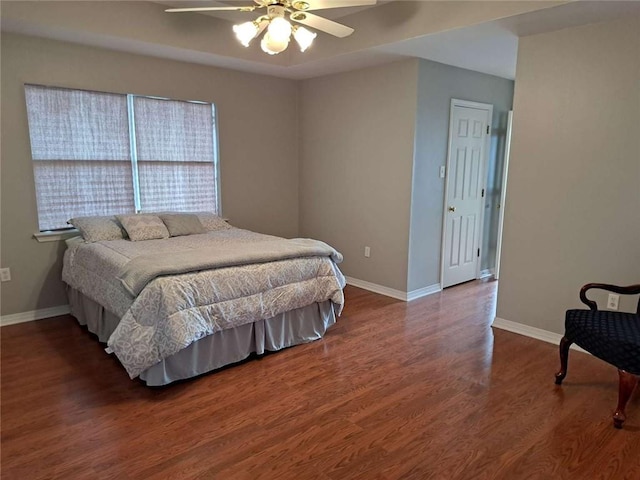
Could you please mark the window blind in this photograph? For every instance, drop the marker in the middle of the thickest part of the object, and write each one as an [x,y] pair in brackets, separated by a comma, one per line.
[175,154]
[81,155]
[99,153]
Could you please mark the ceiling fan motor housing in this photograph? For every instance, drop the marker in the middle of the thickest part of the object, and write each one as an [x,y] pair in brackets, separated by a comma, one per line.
[275,11]
[300,5]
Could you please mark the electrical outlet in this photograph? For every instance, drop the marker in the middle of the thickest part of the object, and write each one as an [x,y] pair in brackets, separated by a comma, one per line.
[612,302]
[367,252]
[5,274]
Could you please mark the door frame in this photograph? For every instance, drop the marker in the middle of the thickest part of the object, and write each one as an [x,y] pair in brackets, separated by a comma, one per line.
[503,193]
[455,102]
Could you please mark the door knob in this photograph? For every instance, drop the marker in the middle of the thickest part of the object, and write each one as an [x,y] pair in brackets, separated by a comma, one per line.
[452,209]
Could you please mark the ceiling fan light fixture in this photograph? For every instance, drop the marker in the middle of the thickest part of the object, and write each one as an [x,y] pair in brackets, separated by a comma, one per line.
[245,32]
[278,18]
[304,37]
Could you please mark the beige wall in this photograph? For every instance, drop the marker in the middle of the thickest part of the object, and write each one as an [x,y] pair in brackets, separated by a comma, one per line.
[343,170]
[259,164]
[573,195]
[357,139]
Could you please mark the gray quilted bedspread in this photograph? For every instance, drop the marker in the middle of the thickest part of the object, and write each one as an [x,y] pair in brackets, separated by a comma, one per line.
[172,311]
[138,272]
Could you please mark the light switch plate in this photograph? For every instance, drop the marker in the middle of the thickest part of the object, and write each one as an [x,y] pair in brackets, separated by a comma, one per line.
[5,274]
[612,302]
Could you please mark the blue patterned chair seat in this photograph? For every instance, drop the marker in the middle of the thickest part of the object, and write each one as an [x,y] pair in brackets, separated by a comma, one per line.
[611,336]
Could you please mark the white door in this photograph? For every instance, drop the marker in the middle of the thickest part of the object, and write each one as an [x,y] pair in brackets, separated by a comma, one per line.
[468,145]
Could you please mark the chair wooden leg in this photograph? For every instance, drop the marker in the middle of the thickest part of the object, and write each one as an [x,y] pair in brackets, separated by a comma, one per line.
[628,382]
[565,343]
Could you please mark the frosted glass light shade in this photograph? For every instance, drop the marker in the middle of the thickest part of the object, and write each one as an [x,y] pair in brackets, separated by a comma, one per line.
[304,37]
[273,46]
[245,32]
[279,30]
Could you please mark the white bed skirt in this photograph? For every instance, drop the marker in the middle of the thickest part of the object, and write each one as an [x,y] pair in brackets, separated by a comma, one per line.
[297,326]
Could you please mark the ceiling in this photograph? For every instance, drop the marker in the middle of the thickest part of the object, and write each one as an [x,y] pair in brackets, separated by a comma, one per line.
[477,35]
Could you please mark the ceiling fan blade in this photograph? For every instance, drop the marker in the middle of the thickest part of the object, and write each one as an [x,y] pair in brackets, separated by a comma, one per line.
[305,5]
[211,9]
[319,23]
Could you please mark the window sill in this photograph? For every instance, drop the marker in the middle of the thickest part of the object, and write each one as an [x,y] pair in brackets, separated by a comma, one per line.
[55,236]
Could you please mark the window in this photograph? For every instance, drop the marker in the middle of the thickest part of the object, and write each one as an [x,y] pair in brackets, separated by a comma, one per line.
[100,153]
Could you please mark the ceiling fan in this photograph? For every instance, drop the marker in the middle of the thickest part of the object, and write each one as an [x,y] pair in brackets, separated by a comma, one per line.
[277,21]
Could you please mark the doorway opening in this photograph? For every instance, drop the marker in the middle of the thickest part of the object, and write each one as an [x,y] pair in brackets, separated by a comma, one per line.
[459,237]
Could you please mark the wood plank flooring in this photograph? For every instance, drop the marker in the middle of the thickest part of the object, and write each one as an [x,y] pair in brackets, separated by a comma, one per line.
[395,390]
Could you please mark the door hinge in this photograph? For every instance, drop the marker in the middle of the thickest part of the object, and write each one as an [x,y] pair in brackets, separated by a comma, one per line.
[488,129]
[483,193]
[478,252]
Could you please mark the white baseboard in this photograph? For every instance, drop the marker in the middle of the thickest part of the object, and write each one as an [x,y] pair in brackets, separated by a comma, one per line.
[392,292]
[375,288]
[423,292]
[34,315]
[532,332]
[487,272]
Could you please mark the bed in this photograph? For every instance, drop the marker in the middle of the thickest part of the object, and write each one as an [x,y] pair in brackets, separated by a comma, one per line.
[172,307]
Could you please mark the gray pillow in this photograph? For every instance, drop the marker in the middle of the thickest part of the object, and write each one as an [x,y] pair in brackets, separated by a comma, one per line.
[143,227]
[182,224]
[212,222]
[209,220]
[94,229]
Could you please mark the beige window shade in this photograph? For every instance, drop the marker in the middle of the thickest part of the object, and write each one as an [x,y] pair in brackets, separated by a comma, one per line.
[68,189]
[80,151]
[175,155]
[83,163]
[77,125]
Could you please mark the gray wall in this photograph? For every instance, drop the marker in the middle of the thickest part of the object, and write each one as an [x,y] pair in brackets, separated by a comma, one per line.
[573,199]
[259,166]
[356,146]
[437,85]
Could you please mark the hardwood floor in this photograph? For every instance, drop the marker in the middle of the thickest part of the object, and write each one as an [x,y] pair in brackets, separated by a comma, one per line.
[395,390]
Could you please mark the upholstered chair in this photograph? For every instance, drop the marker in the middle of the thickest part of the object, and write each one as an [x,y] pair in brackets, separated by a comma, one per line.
[611,336]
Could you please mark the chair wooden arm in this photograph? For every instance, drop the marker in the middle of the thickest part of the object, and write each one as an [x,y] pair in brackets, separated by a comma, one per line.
[630,290]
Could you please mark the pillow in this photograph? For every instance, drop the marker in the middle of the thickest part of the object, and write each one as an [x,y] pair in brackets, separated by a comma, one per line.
[94,229]
[143,227]
[182,224]
[212,222]
[209,220]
